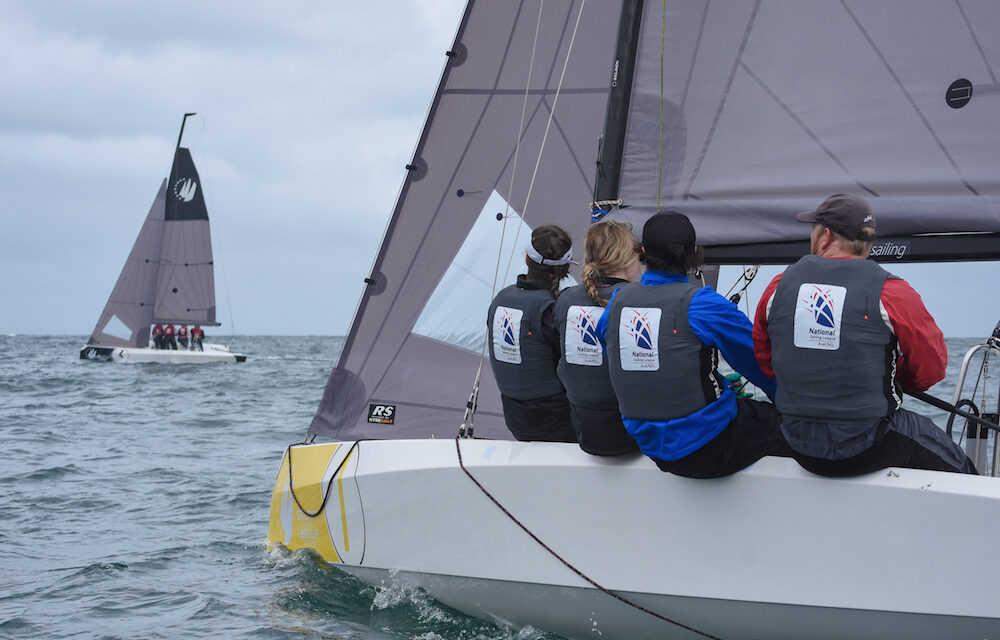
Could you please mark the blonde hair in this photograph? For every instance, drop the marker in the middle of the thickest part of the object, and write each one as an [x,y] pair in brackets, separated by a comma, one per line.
[609,246]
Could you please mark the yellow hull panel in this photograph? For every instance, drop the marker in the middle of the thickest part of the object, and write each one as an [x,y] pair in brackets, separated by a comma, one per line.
[317,504]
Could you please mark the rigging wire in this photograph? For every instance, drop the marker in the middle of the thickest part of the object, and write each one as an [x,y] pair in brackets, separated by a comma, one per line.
[206,164]
[663,46]
[749,273]
[466,429]
[468,420]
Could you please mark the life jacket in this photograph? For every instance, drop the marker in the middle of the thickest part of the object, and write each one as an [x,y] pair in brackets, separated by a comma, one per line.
[182,332]
[157,330]
[583,369]
[197,333]
[659,368]
[168,330]
[523,362]
[834,357]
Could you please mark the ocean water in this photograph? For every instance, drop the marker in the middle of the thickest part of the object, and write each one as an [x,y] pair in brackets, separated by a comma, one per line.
[134,501]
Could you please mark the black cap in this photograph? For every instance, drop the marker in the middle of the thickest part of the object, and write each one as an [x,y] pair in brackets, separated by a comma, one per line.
[664,229]
[842,213]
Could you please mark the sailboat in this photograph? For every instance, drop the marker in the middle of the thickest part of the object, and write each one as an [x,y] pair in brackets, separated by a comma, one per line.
[739,114]
[168,278]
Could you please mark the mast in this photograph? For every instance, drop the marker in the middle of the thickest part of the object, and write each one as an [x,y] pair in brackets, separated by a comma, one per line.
[613,141]
[173,166]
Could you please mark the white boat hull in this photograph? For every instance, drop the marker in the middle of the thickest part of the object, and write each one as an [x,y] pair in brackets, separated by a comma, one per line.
[212,353]
[771,552]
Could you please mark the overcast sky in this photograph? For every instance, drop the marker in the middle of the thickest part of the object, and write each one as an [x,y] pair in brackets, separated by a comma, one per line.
[308,112]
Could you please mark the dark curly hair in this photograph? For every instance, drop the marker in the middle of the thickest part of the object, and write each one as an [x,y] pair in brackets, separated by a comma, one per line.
[551,242]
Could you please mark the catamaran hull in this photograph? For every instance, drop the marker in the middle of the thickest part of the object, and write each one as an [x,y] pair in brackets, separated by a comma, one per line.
[213,353]
[772,552]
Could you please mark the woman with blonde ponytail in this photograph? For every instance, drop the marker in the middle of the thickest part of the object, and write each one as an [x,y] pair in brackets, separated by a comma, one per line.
[611,260]
[524,347]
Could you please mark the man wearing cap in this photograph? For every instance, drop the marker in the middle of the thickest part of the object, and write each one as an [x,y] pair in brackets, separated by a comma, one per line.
[524,345]
[662,337]
[842,336]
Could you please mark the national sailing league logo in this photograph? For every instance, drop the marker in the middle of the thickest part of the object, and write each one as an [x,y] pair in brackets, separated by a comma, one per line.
[638,338]
[507,328]
[184,189]
[587,327]
[582,346]
[640,332]
[507,334]
[818,315]
[822,307]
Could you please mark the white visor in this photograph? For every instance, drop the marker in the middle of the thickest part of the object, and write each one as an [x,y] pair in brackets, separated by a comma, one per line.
[537,257]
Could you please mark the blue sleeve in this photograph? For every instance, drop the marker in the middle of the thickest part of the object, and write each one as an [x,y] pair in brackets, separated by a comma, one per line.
[602,325]
[720,323]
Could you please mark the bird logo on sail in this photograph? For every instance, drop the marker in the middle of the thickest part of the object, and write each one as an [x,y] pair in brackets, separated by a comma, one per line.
[822,307]
[185,188]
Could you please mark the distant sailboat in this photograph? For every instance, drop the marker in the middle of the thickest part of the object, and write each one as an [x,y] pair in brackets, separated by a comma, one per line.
[738,113]
[168,278]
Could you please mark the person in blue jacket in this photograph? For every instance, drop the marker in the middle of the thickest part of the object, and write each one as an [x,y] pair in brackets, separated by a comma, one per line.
[662,337]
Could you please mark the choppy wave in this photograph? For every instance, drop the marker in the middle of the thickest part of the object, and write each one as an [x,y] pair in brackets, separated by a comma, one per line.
[136,497]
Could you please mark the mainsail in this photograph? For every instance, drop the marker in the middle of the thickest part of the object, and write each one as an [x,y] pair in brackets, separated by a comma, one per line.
[738,113]
[744,113]
[169,275]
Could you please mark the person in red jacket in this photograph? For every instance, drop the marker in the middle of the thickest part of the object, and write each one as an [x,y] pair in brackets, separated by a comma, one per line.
[157,336]
[169,341]
[844,338]
[197,336]
[182,336]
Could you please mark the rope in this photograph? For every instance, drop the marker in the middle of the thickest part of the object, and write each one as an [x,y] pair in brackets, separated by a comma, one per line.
[749,273]
[461,463]
[466,428]
[663,46]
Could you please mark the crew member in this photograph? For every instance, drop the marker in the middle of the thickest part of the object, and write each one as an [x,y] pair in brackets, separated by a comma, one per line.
[197,337]
[524,346]
[843,337]
[611,259]
[663,337]
[169,341]
[157,336]
[182,336]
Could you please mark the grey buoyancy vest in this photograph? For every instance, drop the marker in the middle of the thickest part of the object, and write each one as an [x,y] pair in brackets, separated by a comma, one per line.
[523,362]
[659,369]
[583,368]
[833,355]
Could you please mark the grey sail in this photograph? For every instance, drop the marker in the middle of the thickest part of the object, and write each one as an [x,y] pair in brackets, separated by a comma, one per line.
[759,110]
[738,113]
[474,151]
[185,287]
[128,314]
